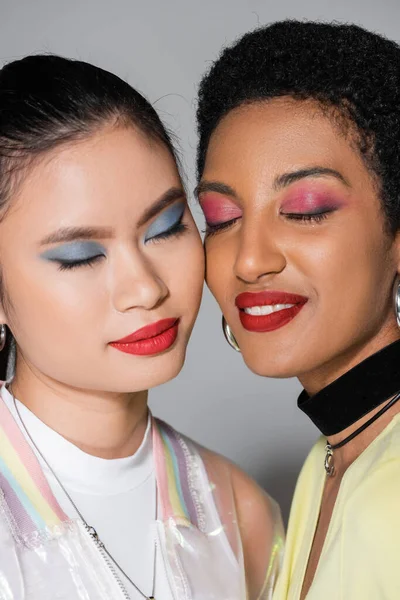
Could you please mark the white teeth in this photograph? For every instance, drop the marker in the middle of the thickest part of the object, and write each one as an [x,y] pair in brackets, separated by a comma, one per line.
[266,310]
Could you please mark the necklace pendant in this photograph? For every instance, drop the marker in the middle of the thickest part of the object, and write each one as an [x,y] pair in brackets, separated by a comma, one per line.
[329,461]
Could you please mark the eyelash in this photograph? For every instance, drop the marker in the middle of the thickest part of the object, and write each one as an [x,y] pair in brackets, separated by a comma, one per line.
[315,217]
[175,230]
[212,229]
[66,266]
[306,218]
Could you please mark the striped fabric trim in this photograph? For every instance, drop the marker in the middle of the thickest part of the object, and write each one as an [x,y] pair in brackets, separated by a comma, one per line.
[33,504]
[24,485]
[171,457]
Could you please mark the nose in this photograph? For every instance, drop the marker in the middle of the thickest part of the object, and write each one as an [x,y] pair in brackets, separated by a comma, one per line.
[137,284]
[258,254]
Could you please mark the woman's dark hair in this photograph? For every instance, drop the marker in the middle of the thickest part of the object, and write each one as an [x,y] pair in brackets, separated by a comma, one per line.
[47,101]
[342,67]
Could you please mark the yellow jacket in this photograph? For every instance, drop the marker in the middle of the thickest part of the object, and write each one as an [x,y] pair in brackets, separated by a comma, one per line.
[360,559]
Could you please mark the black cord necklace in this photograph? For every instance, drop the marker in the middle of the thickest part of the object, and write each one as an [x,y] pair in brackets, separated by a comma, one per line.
[329,448]
[353,395]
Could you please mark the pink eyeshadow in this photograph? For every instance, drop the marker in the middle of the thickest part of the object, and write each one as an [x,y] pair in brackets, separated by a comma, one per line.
[218,209]
[306,199]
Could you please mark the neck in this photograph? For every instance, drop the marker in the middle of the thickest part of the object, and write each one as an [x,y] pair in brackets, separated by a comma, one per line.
[105,424]
[317,379]
[351,400]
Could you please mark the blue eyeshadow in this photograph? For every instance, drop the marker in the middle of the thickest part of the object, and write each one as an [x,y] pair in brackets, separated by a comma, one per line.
[166,220]
[74,251]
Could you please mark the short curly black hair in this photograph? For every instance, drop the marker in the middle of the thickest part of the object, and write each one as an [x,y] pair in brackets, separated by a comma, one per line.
[341,66]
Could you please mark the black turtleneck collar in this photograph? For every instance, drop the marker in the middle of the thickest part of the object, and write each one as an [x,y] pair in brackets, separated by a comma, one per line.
[356,393]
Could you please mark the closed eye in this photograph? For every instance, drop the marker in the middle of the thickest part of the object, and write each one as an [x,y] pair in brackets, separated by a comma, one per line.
[307,217]
[168,224]
[212,229]
[66,265]
[175,230]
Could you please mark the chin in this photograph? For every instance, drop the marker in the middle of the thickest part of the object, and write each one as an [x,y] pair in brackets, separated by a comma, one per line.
[278,366]
[165,375]
[155,371]
[129,374]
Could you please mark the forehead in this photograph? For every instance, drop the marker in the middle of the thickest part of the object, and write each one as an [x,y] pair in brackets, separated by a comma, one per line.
[258,142]
[115,173]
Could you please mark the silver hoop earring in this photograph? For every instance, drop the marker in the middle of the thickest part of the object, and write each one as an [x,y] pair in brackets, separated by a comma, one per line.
[396,298]
[2,337]
[230,338]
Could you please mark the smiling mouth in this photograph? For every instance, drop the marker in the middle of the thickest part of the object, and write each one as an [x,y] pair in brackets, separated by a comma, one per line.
[266,311]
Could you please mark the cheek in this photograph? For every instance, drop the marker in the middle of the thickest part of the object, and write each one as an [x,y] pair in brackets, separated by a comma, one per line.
[181,266]
[57,305]
[220,258]
[350,271]
[192,270]
[195,266]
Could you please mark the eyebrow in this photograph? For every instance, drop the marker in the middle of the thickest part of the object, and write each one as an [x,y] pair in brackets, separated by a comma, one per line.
[71,234]
[287,179]
[279,183]
[166,199]
[214,186]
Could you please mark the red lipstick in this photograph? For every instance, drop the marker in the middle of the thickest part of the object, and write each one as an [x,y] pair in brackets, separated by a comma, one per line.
[151,339]
[286,307]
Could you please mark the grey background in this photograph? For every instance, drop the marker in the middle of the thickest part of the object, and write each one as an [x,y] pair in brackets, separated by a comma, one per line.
[162,47]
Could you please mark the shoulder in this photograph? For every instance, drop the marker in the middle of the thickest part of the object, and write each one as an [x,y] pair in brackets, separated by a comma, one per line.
[379,474]
[371,511]
[246,509]
[377,496]
[255,509]
[371,530]
[258,518]
[253,505]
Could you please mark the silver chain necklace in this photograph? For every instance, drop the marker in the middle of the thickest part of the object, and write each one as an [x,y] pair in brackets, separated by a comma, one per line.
[91,530]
